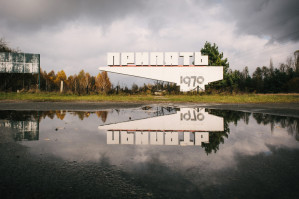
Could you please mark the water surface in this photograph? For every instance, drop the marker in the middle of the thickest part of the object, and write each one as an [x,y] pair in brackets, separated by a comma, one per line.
[149,152]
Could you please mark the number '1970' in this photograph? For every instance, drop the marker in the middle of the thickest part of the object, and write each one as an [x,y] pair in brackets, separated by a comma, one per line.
[192,80]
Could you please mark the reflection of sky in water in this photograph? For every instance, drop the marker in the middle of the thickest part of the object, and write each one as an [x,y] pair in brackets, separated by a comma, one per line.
[73,139]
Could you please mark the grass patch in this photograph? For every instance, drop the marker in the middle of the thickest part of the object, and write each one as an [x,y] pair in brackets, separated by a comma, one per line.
[225,98]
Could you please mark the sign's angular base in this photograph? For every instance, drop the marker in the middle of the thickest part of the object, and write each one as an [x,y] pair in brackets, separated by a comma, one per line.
[188,78]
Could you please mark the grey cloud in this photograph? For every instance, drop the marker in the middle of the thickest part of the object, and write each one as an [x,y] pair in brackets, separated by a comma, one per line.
[32,15]
[276,19]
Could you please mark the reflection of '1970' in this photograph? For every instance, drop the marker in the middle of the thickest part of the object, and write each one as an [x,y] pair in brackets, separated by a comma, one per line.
[185,127]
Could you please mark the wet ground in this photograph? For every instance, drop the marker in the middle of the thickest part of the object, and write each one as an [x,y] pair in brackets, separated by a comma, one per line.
[148,151]
[286,109]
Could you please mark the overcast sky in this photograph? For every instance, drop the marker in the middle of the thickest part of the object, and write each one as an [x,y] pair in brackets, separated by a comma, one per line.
[74,35]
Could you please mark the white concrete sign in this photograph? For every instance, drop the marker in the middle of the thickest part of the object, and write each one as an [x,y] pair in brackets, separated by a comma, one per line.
[166,67]
[156,58]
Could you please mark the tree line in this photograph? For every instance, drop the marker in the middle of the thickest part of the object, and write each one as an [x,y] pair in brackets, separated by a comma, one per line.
[265,79]
[82,83]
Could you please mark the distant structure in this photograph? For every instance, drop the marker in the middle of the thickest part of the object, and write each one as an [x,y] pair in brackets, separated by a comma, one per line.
[11,62]
[296,54]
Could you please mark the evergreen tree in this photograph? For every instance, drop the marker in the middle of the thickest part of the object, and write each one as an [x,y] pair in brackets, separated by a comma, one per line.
[216,59]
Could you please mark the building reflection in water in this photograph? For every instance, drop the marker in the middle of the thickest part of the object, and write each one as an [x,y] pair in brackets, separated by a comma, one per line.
[26,126]
[185,127]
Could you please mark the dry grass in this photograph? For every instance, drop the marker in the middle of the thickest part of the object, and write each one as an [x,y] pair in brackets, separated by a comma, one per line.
[214,98]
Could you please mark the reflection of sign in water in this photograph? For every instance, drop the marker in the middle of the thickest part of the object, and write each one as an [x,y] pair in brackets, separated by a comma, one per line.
[157,137]
[19,62]
[192,116]
[186,127]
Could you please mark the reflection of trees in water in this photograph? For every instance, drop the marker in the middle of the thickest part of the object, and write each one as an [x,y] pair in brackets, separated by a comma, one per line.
[60,114]
[290,123]
[80,114]
[217,138]
[50,114]
[19,115]
[231,116]
[103,115]
[40,115]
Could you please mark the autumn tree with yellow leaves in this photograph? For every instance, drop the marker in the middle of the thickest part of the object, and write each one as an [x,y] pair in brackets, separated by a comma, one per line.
[103,83]
[60,77]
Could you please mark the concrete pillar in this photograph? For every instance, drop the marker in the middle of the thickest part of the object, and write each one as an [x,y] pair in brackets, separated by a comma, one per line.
[61,86]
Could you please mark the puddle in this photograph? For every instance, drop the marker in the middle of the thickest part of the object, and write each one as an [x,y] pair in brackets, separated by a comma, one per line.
[164,151]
